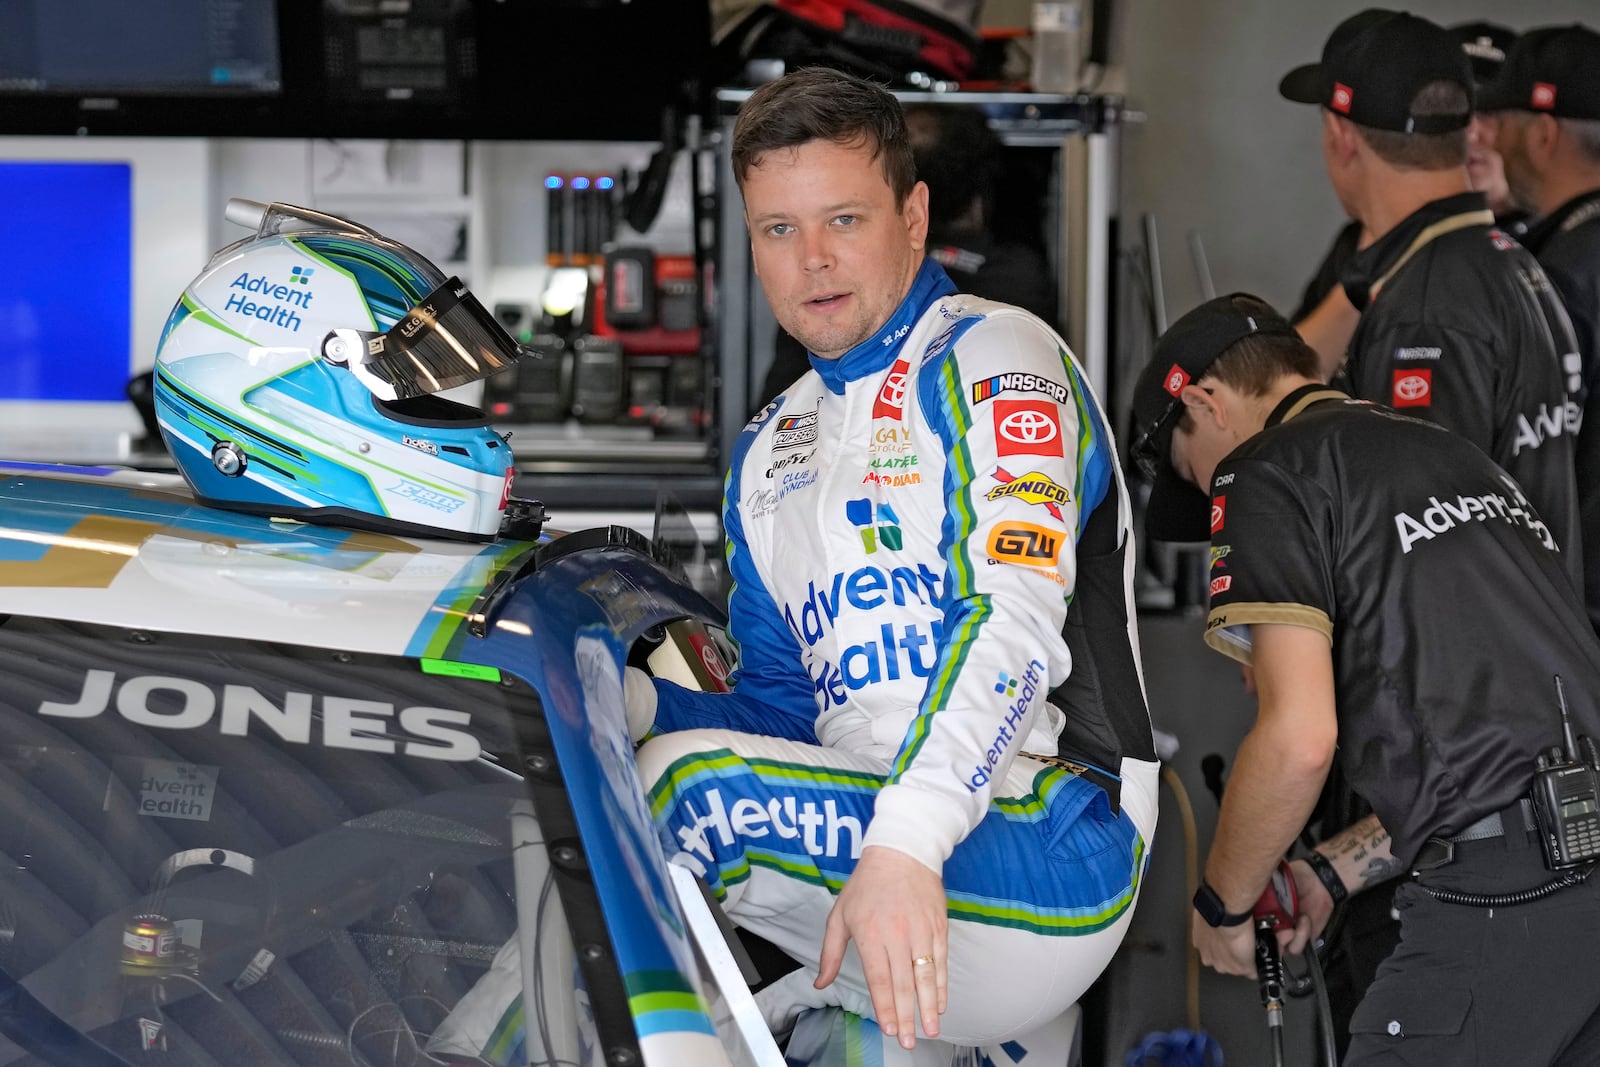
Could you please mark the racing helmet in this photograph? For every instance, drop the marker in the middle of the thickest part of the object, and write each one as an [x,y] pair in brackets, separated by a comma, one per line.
[298,377]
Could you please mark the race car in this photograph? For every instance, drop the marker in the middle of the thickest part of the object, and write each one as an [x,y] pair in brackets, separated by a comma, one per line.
[287,793]
[314,752]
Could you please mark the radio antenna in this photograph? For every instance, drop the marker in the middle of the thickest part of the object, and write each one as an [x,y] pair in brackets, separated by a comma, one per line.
[1566,721]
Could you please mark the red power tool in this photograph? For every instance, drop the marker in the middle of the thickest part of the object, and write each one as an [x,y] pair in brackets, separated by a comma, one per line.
[1274,911]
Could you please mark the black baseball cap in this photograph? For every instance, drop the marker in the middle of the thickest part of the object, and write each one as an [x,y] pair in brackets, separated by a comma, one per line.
[1373,66]
[1554,69]
[1178,511]
[1486,45]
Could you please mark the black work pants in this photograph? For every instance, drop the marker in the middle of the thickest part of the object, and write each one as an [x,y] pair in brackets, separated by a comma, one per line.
[1516,985]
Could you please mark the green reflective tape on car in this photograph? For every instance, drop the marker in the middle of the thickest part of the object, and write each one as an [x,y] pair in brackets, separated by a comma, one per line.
[457,669]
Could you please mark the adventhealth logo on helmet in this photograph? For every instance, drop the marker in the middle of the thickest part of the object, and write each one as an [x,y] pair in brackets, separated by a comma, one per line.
[327,359]
[278,314]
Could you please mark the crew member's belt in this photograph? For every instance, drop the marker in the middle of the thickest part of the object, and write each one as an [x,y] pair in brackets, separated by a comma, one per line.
[1439,851]
[1494,823]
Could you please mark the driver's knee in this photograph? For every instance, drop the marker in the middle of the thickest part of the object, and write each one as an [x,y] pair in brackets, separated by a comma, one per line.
[665,754]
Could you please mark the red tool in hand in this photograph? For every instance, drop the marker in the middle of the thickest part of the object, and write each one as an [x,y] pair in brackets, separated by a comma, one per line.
[1275,910]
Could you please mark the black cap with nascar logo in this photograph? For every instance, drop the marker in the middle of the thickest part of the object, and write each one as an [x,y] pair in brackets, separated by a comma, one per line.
[1554,69]
[1373,66]
[1486,45]
[1178,511]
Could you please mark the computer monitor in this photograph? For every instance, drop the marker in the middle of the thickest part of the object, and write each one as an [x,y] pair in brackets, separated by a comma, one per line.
[102,238]
[175,47]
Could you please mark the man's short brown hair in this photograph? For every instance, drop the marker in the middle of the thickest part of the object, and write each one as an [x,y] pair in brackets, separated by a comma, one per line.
[819,104]
[1425,151]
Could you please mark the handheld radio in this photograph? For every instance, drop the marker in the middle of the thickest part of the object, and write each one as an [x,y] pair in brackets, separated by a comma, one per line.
[1566,797]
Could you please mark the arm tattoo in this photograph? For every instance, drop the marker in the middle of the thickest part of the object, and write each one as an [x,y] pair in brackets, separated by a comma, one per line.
[1360,854]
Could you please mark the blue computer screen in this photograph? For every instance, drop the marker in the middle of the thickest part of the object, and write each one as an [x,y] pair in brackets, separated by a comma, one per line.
[66,287]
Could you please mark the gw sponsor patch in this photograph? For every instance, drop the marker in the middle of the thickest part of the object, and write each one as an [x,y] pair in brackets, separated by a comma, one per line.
[1031,488]
[1219,512]
[990,388]
[1027,428]
[1026,543]
[1219,555]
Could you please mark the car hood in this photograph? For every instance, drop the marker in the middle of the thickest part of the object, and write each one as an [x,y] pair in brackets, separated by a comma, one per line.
[137,550]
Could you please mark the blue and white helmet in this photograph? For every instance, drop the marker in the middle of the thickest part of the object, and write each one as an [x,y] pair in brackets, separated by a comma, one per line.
[296,377]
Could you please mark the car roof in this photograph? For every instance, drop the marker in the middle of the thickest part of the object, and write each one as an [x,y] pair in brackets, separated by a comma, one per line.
[127,548]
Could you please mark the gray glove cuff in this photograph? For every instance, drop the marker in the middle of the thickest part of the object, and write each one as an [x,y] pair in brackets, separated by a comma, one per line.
[639,697]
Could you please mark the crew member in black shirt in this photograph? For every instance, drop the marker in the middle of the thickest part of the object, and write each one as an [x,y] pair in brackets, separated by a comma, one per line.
[1459,325]
[1325,317]
[1546,114]
[1403,605]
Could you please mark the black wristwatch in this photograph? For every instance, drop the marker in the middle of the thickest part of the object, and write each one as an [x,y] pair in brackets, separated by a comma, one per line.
[1211,908]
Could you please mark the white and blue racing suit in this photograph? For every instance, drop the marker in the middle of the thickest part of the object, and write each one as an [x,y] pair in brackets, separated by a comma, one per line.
[928,537]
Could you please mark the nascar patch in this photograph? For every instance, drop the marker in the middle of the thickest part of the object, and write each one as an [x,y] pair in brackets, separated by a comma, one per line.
[1018,383]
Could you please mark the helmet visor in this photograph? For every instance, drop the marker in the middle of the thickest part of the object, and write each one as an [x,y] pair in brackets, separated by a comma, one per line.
[447,340]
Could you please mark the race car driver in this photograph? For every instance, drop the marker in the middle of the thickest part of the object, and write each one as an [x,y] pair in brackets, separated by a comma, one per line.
[936,745]
[1400,601]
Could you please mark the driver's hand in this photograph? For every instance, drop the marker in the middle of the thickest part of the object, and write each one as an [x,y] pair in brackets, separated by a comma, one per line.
[895,910]
[639,697]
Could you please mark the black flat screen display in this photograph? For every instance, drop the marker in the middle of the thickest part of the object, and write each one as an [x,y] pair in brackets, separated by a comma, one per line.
[172,48]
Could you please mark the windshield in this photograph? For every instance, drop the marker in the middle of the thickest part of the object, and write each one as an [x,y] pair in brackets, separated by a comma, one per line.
[228,852]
